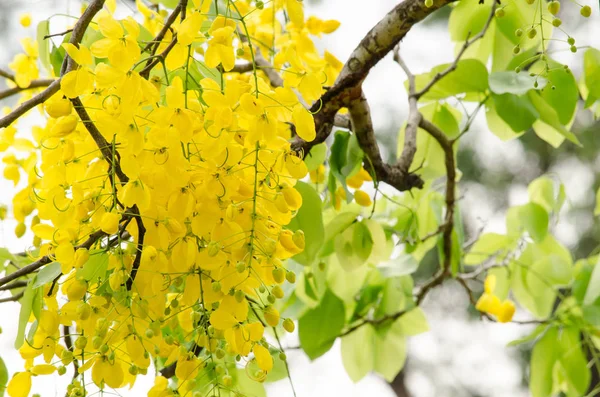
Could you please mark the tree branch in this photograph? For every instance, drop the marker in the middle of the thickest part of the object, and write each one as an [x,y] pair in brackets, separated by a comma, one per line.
[16,284]
[414,117]
[363,128]
[13,298]
[68,65]
[382,38]
[453,65]
[34,84]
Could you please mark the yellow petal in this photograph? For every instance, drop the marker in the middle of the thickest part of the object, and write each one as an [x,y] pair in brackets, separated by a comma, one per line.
[263,357]
[305,124]
[19,385]
[222,319]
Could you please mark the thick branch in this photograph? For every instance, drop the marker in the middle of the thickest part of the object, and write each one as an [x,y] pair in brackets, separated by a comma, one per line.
[374,46]
[363,128]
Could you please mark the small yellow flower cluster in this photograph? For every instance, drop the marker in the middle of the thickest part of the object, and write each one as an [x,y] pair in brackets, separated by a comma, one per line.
[491,304]
[207,163]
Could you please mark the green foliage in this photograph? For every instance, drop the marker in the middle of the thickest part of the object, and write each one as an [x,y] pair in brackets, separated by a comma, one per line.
[316,335]
[310,220]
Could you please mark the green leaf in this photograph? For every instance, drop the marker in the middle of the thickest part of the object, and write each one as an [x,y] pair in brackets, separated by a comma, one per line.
[551,270]
[467,19]
[399,266]
[362,242]
[3,377]
[344,284]
[497,125]
[249,387]
[5,256]
[535,220]
[338,159]
[514,83]
[309,219]
[350,255]
[597,208]
[354,157]
[573,361]
[43,29]
[517,111]
[358,352]
[470,76]
[540,329]
[95,267]
[56,58]
[338,224]
[543,357]
[412,323]
[47,274]
[502,281]
[548,115]
[541,192]
[395,294]
[562,93]
[488,245]
[316,156]
[390,352]
[318,328]
[25,313]
[591,68]
[593,288]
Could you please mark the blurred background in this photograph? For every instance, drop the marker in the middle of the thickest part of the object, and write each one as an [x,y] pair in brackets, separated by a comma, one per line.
[461,356]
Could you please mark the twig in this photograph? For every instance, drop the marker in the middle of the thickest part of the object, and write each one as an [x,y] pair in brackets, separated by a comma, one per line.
[414,117]
[453,65]
[13,298]
[447,147]
[30,104]
[44,260]
[16,284]
[101,142]
[6,75]
[34,84]
[140,246]
[58,34]
[154,44]
[69,345]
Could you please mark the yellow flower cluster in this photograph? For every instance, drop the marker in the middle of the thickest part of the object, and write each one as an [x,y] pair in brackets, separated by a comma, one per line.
[491,304]
[208,165]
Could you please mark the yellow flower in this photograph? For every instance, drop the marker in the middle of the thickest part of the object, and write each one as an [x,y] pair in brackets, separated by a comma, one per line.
[506,311]
[19,385]
[110,222]
[304,123]
[362,198]
[25,65]
[263,358]
[220,46]
[25,19]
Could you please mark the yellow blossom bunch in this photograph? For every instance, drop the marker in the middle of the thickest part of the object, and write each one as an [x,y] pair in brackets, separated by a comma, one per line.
[186,181]
[491,303]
